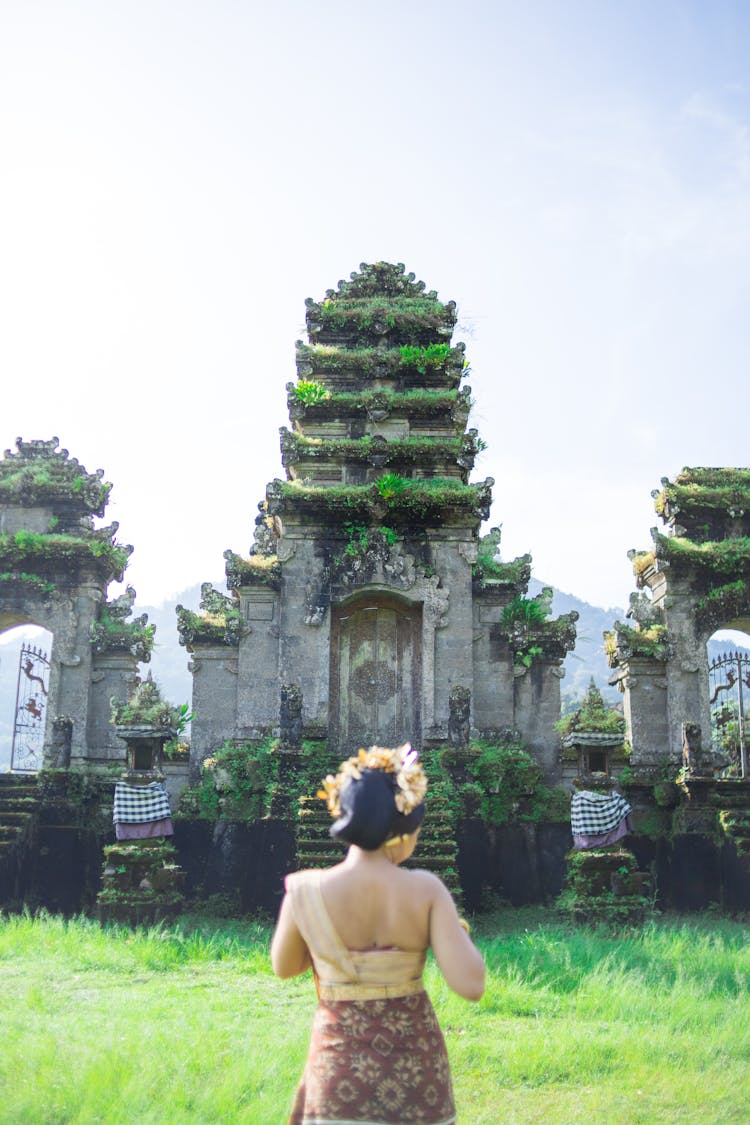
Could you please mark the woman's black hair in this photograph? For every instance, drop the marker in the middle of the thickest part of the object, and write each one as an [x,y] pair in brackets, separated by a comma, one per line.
[369,815]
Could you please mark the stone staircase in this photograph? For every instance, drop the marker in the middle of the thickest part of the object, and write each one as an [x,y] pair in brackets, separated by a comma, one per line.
[19,804]
[436,851]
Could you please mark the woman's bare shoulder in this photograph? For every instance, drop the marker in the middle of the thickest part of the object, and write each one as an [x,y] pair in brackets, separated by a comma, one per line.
[427,882]
[305,875]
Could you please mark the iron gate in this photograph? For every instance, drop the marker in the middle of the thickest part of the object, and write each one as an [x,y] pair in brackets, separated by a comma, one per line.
[729,679]
[31,706]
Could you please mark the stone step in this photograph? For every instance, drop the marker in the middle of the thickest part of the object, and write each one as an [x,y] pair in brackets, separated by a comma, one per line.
[13,786]
[16,818]
[18,804]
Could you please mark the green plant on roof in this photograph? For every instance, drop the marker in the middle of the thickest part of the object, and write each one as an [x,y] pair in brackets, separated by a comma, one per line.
[520,621]
[360,538]
[432,355]
[525,611]
[310,392]
[391,484]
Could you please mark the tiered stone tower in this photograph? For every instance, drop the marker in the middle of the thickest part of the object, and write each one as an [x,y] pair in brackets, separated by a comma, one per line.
[362,614]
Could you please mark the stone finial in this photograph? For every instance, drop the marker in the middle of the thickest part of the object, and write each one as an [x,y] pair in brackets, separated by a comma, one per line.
[643,610]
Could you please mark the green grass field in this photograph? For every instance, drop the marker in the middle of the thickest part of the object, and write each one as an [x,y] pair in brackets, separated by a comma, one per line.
[187,1024]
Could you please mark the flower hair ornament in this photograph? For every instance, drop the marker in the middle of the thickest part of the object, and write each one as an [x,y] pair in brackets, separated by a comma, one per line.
[409,781]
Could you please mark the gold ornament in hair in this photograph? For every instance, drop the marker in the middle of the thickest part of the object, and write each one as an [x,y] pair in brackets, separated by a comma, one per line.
[411,783]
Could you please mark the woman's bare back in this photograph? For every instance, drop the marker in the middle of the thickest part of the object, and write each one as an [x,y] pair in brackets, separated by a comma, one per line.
[379,905]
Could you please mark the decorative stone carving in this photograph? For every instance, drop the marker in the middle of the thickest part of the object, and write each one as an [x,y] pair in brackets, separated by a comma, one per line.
[62,739]
[643,610]
[265,534]
[373,681]
[468,552]
[286,550]
[219,621]
[378,408]
[435,599]
[290,718]
[459,716]
[316,603]
[692,749]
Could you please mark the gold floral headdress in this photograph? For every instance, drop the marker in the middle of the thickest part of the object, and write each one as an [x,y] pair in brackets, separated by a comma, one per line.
[411,783]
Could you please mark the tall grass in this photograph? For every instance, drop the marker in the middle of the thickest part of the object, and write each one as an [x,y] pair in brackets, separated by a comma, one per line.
[187,1024]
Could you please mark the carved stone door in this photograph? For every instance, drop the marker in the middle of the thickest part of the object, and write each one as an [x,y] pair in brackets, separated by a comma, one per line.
[376,674]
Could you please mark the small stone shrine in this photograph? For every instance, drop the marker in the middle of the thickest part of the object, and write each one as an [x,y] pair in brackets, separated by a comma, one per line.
[593,739]
[141,883]
[369,610]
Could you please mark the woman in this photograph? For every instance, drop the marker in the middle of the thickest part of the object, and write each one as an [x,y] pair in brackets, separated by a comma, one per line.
[377,1054]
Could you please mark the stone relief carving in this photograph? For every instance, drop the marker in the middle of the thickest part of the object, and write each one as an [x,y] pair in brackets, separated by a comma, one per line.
[381,564]
[468,552]
[436,600]
[285,550]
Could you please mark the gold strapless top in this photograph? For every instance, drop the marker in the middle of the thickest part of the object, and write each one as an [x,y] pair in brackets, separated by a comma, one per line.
[347,974]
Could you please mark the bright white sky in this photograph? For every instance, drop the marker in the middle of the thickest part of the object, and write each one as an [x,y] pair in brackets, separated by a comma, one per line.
[176,178]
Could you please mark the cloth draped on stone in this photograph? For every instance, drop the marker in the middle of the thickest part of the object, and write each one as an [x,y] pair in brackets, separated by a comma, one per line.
[377,1055]
[141,805]
[597,819]
[148,830]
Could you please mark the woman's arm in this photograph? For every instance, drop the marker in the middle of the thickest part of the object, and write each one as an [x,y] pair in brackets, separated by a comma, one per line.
[458,958]
[289,954]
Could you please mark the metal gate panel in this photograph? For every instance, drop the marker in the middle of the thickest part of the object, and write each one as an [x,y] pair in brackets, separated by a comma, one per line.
[729,680]
[27,752]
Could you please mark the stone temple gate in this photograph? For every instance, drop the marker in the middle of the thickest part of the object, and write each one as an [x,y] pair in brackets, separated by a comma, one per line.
[369,609]
[55,568]
[694,581]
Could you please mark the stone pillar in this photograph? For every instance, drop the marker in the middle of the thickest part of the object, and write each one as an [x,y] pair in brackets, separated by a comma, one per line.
[214,701]
[536,711]
[258,663]
[492,663]
[75,659]
[113,676]
[644,684]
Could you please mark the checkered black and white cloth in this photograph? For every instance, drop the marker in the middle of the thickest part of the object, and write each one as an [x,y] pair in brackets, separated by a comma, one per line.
[594,814]
[137,804]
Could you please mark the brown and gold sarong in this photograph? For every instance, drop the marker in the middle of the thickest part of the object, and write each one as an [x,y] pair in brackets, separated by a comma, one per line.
[377,1055]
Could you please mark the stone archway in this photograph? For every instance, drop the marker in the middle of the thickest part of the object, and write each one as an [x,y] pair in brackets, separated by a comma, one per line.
[25,652]
[729,700]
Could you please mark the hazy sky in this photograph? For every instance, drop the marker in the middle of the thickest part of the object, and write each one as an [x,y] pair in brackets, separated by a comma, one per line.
[176,178]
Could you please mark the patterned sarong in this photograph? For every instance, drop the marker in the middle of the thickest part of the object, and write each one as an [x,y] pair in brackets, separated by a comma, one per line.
[377,1055]
[375,1062]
